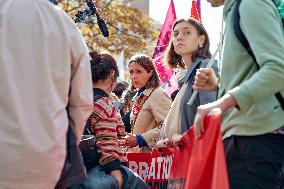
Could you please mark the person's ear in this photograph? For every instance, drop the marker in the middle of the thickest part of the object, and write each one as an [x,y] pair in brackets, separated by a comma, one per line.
[150,73]
[201,41]
[112,76]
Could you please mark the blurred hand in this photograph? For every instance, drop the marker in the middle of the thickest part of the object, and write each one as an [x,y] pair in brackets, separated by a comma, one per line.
[118,176]
[176,141]
[131,140]
[202,111]
[113,97]
[205,80]
[224,103]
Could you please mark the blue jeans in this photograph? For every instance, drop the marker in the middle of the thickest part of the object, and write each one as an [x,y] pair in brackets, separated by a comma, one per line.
[98,179]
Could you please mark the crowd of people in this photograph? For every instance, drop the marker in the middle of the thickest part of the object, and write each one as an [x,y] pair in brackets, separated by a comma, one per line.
[54,89]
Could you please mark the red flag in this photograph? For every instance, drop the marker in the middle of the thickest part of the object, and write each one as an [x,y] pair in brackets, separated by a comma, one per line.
[164,38]
[201,163]
[195,10]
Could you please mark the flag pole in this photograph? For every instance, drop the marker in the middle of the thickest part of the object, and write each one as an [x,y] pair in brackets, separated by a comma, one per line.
[209,65]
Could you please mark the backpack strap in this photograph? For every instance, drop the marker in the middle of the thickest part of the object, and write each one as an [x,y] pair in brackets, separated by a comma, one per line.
[239,33]
[280,8]
[243,40]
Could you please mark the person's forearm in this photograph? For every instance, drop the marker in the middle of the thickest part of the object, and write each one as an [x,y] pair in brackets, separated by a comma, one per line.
[226,102]
[118,176]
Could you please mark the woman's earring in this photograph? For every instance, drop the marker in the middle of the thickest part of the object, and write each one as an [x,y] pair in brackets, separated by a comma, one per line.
[200,46]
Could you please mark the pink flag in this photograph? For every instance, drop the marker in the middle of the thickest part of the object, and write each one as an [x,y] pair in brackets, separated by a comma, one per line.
[164,72]
[195,10]
[164,38]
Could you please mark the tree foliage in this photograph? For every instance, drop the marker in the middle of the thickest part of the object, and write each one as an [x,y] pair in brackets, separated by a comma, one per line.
[129,28]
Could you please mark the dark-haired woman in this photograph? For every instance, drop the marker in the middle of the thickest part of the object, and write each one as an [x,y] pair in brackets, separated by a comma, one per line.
[150,104]
[106,124]
[187,51]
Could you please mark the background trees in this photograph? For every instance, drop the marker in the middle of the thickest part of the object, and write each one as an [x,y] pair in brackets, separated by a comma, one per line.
[130,30]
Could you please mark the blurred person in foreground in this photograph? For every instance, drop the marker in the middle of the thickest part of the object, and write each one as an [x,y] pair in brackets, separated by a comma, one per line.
[46,87]
[253,119]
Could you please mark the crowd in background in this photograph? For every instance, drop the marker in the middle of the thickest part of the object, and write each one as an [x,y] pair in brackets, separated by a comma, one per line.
[55,91]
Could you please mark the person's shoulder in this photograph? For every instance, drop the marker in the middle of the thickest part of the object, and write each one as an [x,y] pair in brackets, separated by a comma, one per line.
[258,2]
[260,16]
[158,91]
[54,15]
[104,107]
[50,7]
[159,94]
[204,62]
[253,7]
[103,101]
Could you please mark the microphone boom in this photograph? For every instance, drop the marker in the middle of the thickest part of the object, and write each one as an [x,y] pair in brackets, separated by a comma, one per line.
[90,11]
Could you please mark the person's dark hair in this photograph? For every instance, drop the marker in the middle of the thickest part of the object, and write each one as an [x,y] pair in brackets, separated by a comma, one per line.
[147,63]
[120,87]
[102,65]
[174,60]
[174,94]
[128,95]
[54,1]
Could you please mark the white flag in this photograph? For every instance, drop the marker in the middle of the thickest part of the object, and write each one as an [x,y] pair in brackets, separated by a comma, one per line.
[120,64]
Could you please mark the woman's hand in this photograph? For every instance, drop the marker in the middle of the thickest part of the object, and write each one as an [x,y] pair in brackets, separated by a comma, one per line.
[176,141]
[205,80]
[202,111]
[131,140]
[118,176]
[223,103]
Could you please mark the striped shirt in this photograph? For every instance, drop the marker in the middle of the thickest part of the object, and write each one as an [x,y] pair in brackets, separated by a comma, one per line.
[107,126]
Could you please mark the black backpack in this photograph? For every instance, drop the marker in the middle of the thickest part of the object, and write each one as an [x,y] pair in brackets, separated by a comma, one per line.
[241,37]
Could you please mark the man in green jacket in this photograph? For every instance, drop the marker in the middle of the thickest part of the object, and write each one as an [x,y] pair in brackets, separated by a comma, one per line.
[252,119]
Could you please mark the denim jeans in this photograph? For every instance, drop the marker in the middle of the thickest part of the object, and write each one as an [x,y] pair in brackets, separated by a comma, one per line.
[98,179]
